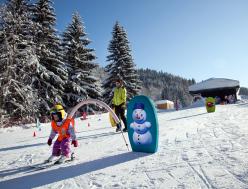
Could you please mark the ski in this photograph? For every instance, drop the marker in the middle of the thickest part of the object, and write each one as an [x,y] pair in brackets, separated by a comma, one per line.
[46,165]
[42,165]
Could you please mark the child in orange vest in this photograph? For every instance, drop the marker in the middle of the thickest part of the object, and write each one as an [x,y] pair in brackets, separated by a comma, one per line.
[65,130]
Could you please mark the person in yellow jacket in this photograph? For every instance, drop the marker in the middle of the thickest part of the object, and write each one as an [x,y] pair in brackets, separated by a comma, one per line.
[119,103]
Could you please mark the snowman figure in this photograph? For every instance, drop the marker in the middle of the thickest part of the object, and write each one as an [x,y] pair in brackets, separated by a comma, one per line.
[141,135]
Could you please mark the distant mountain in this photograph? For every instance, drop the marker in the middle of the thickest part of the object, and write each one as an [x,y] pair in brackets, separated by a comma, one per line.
[161,85]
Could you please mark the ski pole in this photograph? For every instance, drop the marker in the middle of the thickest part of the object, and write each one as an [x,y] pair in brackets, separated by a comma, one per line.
[124,140]
[73,154]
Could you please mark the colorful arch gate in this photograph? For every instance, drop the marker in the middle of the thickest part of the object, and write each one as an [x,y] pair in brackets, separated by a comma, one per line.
[99,103]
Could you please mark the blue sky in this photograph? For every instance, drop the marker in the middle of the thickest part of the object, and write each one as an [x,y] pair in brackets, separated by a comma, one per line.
[190,38]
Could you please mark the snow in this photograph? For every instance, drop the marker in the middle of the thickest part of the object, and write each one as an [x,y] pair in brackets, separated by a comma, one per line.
[196,150]
[214,83]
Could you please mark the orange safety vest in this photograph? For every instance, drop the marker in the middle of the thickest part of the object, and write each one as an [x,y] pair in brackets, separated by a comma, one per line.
[63,129]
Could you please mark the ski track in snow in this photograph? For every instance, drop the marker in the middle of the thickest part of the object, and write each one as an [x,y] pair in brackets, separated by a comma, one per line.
[196,150]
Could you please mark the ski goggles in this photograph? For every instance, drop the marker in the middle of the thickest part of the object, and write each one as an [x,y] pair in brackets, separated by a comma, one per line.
[58,115]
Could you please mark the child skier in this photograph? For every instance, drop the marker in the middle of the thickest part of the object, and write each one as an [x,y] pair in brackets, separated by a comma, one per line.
[65,130]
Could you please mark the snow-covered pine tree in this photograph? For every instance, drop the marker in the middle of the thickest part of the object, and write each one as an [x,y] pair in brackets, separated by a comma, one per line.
[79,58]
[243,91]
[120,65]
[18,62]
[177,91]
[52,72]
[2,63]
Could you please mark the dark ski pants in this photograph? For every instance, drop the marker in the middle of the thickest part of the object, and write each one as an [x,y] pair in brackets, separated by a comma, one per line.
[120,112]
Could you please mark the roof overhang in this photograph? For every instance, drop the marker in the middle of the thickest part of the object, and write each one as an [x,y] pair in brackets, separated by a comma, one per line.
[214,84]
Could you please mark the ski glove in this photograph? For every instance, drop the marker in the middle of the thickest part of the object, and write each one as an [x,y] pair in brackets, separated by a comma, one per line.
[49,142]
[75,143]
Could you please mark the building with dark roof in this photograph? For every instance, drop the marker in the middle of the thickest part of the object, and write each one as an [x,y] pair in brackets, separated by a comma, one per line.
[216,87]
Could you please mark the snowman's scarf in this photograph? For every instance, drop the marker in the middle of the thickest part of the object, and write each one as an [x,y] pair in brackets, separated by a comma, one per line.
[140,121]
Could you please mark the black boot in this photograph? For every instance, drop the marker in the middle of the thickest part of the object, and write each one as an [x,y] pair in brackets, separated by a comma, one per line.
[118,128]
[125,129]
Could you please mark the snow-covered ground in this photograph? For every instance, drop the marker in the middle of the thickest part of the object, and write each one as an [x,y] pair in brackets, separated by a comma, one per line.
[196,150]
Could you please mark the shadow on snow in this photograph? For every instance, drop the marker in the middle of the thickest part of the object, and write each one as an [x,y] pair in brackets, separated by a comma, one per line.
[62,173]
[187,116]
[22,146]
[78,138]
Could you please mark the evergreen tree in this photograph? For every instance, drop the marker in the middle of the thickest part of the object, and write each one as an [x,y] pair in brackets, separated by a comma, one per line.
[52,73]
[175,92]
[243,91]
[18,62]
[79,58]
[120,65]
[160,85]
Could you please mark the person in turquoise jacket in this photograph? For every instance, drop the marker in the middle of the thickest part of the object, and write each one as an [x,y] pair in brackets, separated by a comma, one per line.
[119,103]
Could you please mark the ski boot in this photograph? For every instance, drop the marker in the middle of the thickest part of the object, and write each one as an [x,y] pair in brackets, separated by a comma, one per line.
[50,159]
[62,159]
[125,129]
[118,127]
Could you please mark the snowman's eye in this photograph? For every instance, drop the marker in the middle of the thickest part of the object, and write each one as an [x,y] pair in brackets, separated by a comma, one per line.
[141,114]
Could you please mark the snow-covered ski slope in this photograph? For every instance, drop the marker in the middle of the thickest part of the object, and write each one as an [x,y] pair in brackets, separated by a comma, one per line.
[196,150]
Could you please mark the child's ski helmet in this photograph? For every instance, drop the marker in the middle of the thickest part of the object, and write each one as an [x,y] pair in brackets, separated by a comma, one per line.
[58,110]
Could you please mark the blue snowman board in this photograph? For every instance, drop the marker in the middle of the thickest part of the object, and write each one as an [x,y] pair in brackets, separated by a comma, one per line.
[142,125]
